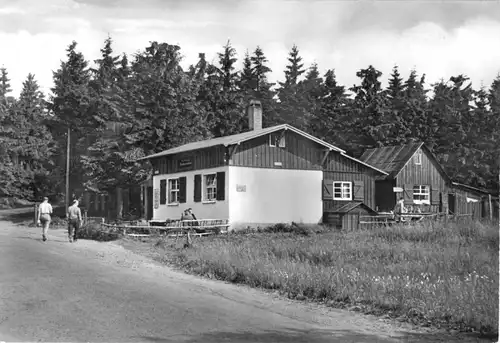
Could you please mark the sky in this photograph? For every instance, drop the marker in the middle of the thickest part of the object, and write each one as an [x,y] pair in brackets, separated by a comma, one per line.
[439,38]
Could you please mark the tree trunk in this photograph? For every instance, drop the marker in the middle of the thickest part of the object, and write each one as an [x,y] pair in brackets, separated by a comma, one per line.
[119,203]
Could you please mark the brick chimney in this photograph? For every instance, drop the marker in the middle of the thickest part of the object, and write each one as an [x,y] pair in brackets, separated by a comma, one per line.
[254,111]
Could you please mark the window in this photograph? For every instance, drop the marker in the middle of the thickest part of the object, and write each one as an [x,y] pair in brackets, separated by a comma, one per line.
[421,194]
[173,191]
[277,140]
[417,158]
[342,191]
[209,187]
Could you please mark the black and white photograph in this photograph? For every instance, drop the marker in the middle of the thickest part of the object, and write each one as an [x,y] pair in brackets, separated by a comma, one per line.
[243,171]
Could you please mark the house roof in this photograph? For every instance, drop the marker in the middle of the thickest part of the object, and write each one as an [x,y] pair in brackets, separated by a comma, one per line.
[245,136]
[470,188]
[393,159]
[237,139]
[390,158]
[349,206]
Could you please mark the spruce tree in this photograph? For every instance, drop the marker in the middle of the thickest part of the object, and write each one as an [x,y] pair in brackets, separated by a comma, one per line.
[373,125]
[72,106]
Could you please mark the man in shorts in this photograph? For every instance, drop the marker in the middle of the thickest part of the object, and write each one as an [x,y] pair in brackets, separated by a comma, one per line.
[44,212]
[74,216]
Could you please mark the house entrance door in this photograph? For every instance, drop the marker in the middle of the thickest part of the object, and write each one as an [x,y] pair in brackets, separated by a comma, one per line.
[451,203]
[149,208]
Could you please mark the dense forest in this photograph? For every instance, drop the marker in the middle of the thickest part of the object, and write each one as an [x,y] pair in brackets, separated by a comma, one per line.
[117,110]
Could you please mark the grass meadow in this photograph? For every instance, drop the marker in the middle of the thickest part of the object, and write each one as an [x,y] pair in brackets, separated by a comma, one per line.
[428,274]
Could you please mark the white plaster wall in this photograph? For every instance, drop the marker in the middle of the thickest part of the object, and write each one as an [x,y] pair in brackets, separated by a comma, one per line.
[274,196]
[217,210]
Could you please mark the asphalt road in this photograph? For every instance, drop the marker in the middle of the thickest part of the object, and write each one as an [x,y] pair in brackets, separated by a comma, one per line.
[88,291]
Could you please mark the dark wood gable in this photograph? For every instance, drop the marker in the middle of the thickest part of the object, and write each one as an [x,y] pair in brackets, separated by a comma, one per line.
[191,160]
[428,172]
[339,168]
[284,149]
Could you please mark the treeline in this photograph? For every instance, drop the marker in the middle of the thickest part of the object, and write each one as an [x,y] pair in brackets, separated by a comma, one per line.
[120,110]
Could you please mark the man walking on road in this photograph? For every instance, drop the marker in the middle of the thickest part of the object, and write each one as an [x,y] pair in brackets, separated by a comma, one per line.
[74,216]
[44,212]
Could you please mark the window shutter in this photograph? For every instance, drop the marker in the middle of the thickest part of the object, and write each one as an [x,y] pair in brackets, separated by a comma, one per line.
[408,194]
[182,189]
[197,188]
[163,192]
[327,189]
[221,186]
[434,197]
[359,190]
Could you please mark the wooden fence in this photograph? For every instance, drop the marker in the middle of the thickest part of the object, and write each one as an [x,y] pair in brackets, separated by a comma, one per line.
[199,227]
[390,219]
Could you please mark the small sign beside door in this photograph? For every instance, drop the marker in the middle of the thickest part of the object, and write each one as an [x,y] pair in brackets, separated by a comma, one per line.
[156,198]
[241,188]
[397,189]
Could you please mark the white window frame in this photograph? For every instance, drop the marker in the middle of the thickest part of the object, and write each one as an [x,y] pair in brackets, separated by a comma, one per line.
[342,186]
[169,190]
[417,158]
[422,190]
[274,137]
[204,189]
[272,142]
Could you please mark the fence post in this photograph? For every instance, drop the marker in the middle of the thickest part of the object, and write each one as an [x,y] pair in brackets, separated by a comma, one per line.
[35,217]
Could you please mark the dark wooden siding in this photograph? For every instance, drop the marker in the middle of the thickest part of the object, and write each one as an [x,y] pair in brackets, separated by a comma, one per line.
[427,173]
[299,153]
[369,187]
[201,159]
[345,221]
[385,198]
[463,207]
[333,219]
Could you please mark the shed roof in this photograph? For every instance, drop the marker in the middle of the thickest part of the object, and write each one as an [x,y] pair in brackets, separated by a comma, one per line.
[351,205]
[472,189]
[245,136]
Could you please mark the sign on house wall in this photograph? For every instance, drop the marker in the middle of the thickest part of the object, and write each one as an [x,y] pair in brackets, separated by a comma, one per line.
[241,188]
[156,198]
[185,163]
[397,189]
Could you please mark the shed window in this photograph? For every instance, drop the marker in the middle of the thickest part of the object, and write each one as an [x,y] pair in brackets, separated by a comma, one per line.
[209,187]
[417,158]
[277,140]
[173,191]
[342,190]
[421,194]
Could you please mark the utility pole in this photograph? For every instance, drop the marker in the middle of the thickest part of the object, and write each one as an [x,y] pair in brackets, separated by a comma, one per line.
[67,168]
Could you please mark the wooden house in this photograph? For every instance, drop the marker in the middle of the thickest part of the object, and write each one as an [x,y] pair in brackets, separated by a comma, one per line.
[479,203]
[414,174]
[264,176]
